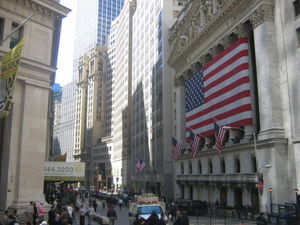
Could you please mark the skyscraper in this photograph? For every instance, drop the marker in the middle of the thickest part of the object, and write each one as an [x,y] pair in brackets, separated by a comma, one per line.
[93,22]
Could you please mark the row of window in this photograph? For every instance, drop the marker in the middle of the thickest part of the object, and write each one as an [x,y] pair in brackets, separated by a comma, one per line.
[210,170]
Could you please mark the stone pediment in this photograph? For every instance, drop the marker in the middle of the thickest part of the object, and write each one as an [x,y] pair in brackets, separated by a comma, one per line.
[201,21]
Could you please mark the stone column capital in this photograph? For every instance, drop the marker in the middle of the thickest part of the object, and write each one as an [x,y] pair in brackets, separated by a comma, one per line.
[264,13]
[179,81]
[241,30]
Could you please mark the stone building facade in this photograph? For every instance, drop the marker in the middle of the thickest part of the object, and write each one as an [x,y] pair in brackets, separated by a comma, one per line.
[266,150]
[24,136]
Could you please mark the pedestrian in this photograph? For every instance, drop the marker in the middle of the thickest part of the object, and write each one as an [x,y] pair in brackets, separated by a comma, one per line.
[120,202]
[35,214]
[181,219]
[103,204]
[70,213]
[95,205]
[153,219]
[163,219]
[112,215]
[41,211]
[82,212]
[51,216]
[5,218]
[173,210]
[90,212]
[261,220]
[57,220]
[29,213]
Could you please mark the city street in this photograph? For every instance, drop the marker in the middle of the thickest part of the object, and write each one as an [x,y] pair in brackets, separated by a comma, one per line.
[194,220]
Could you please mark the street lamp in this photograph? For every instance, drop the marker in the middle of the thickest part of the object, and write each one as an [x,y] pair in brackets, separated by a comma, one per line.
[270,191]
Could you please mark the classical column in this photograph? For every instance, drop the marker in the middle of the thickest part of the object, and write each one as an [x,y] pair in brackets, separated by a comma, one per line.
[180,109]
[267,72]
[25,151]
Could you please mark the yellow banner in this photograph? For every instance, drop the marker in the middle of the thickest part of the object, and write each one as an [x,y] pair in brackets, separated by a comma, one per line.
[10,65]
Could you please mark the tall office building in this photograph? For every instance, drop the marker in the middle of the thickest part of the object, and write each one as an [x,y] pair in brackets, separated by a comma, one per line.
[93,22]
[67,121]
[151,95]
[120,55]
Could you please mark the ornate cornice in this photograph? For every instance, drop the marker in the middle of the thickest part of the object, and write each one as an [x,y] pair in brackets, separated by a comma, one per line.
[229,14]
[49,8]
[264,13]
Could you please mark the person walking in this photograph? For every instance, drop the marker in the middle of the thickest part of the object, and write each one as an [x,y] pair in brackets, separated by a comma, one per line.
[35,214]
[181,219]
[103,204]
[120,202]
[51,216]
[29,213]
[5,218]
[112,215]
[95,205]
[82,212]
[41,211]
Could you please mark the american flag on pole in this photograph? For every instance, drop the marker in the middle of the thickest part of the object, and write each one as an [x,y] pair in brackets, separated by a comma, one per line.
[220,90]
[140,165]
[176,148]
[220,133]
[195,142]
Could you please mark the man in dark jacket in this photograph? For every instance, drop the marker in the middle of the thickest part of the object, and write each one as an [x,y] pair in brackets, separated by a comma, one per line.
[112,215]
[153,219]
[181,219]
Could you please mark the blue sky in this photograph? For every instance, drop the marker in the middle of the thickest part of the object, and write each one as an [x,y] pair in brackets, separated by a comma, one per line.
[66,46]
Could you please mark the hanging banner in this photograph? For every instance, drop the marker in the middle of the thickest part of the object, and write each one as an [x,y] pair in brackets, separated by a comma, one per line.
[10,65]
[64,171]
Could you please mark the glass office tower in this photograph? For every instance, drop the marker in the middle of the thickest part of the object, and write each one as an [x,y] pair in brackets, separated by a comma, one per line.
[93,22]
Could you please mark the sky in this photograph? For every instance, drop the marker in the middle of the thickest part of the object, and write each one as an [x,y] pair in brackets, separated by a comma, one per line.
[64,71]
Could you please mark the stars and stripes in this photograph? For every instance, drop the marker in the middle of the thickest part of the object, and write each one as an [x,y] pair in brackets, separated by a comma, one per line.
[195,142]
[176,148]
[220,90]
[220,134]
[140,165]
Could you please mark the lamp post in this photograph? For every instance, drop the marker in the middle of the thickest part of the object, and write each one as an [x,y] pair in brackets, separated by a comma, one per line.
[270,191]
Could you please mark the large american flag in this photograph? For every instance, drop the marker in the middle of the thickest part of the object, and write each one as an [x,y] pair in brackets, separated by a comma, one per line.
[140,165]
[176,148]
[220,91]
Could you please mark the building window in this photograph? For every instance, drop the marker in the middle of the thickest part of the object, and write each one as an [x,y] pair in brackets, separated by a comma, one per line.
[199,167]
[210,167]
[254,164]
[182,168]
[298,36]
[190,168]
[297,7]
[237,165]
[222,165]
[2,21]
[16,36]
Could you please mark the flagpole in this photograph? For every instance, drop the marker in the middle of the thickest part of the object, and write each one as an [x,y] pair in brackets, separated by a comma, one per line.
[17,28]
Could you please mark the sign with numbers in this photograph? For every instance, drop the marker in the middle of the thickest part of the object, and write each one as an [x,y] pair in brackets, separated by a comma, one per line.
[64,171]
